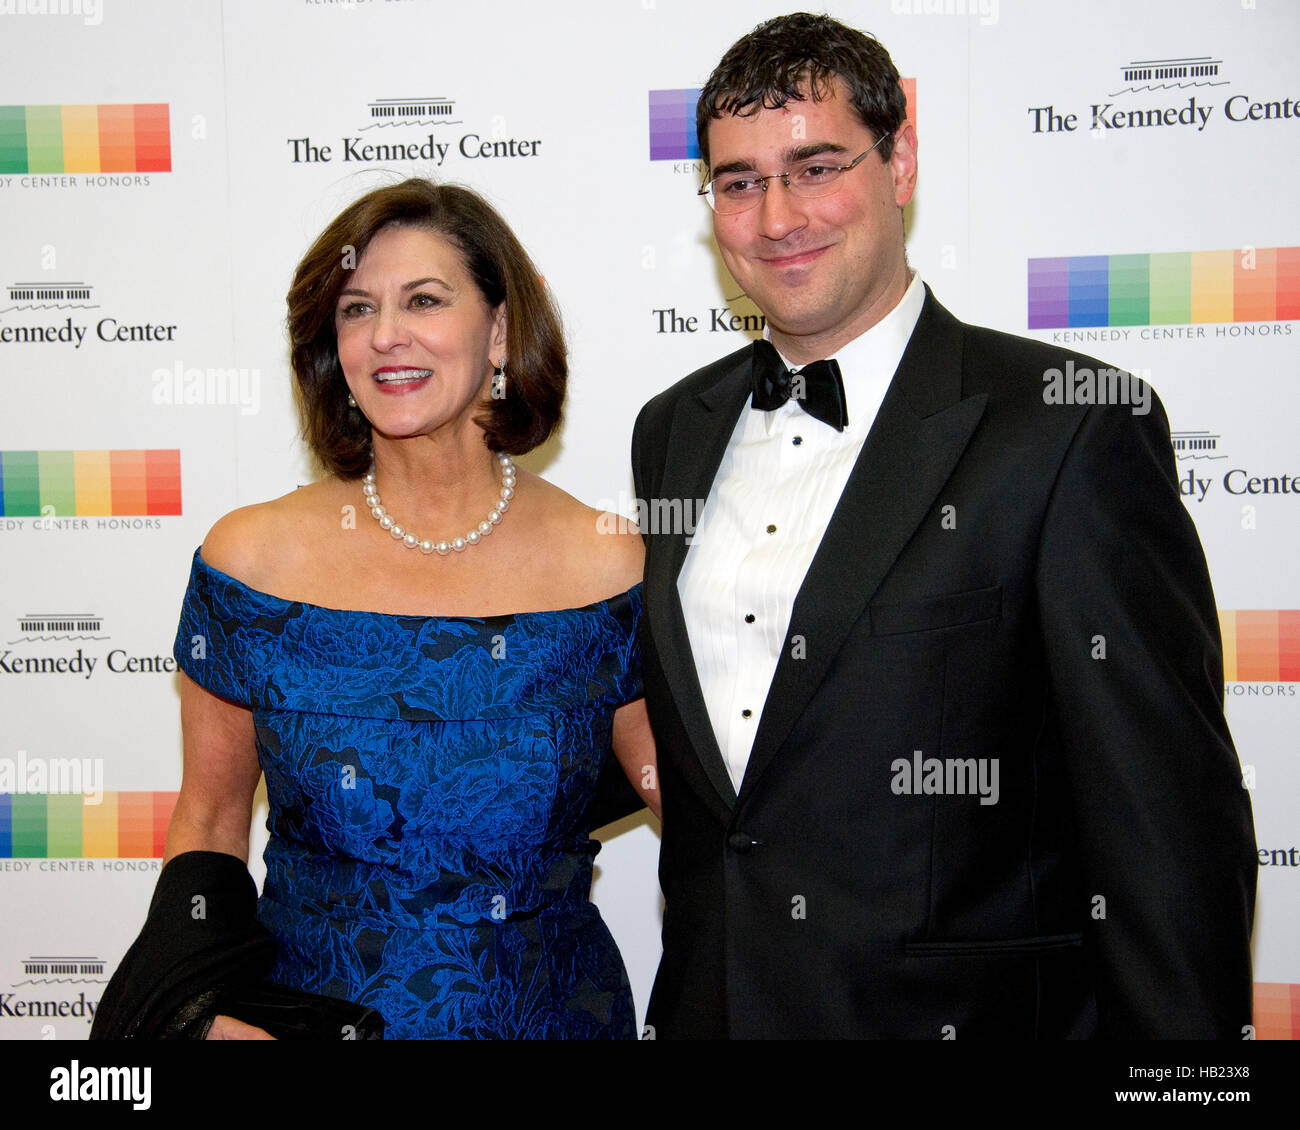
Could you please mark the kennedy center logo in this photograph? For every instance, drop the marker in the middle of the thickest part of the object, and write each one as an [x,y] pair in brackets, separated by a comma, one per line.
[1170,74]
[44,992]
[398,130]
[49,296]
[1196,445]
[1170,93]
[1198,451]
[44,627]
[49,313]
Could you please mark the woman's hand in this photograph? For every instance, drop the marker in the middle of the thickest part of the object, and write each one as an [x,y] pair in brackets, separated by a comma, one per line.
[228,1028]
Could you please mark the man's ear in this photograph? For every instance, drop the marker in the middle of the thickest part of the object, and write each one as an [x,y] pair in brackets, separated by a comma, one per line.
[902,162]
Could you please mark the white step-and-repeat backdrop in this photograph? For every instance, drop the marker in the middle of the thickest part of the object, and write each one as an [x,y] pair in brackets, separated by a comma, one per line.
[1117,176]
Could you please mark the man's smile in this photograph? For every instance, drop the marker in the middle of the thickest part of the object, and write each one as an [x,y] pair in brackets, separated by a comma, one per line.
[793,258]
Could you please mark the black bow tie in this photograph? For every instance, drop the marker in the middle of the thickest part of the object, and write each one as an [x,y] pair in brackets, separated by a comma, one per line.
[818,387]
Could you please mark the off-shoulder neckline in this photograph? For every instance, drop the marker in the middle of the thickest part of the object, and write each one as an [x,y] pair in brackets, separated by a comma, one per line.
[198,560]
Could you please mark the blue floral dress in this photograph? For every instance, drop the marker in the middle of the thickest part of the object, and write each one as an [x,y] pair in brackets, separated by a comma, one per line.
[428,779]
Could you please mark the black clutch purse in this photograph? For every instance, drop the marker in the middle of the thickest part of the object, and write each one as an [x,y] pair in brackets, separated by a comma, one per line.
[291,1014]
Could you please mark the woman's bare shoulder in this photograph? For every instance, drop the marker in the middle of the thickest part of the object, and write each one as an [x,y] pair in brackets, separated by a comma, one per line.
[605,548]
[260,544]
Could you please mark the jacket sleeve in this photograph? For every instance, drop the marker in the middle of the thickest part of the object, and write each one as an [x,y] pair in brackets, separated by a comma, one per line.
[1165,837]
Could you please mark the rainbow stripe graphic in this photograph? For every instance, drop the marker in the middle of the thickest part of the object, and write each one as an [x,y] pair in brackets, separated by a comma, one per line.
[672,121]
[672,125]
[63,826]
[1277,1011]
[130,138]
[1170,287]
[1260,646]
[89,482]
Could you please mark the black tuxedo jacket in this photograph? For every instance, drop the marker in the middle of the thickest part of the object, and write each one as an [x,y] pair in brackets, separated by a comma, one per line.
[1002,580]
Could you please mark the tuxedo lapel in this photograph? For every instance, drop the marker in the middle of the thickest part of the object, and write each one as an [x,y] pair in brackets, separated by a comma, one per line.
[702,424]
[919,434]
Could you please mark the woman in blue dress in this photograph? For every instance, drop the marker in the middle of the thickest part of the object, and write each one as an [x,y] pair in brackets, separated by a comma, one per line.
[430,654]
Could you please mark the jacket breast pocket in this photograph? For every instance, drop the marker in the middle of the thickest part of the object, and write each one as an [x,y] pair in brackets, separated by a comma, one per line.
[951,610]
[1000,947]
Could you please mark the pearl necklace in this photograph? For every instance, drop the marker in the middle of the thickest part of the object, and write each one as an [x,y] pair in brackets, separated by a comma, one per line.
[424,545]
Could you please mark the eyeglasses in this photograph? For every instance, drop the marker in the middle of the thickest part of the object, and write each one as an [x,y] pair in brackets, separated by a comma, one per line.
[739,192]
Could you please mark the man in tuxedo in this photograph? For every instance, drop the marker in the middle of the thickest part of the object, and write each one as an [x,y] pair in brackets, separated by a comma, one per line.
[936,678]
